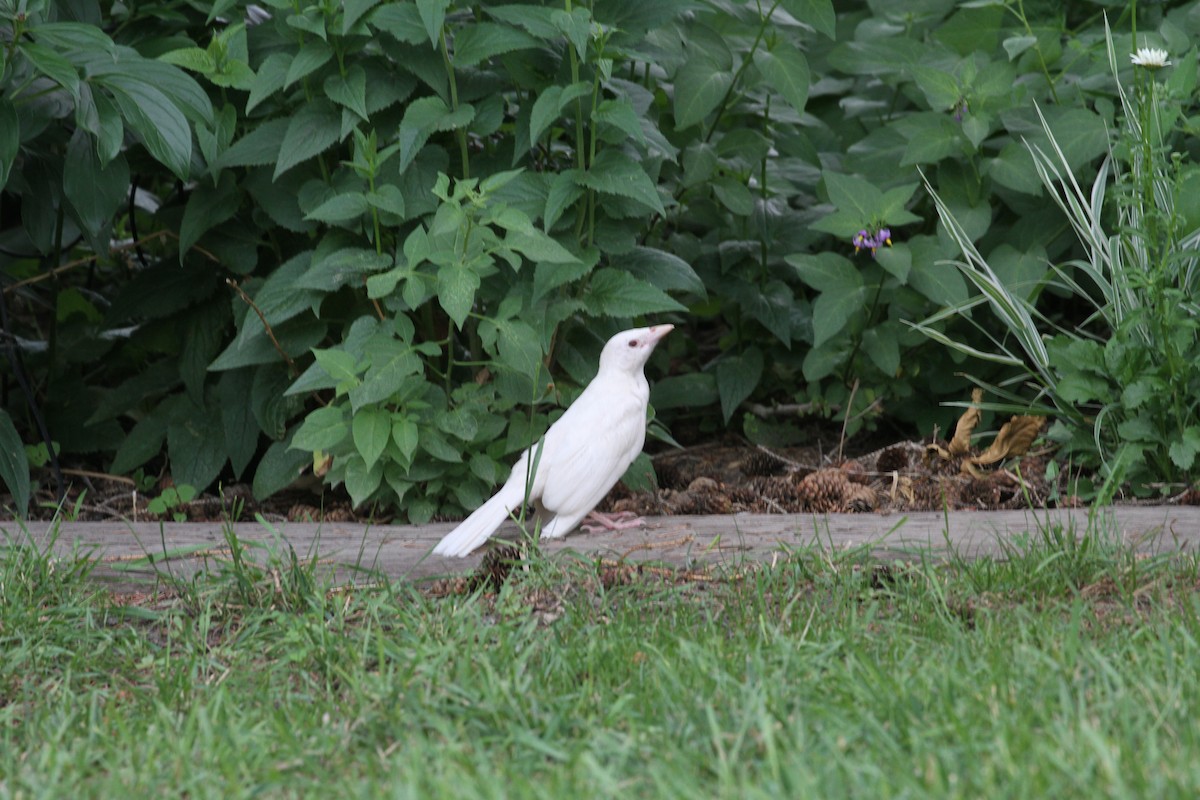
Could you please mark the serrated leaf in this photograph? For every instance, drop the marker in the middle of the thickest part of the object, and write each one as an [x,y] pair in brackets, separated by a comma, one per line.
[349,90]
[270,78]
[482,40]
[613,172]
[314,129]
[371,428]
[738,376]
[14,467]
[565,189]
[258,147]
[387,197]
[340,208]
[433,16]
[786,70]
[311,56]
[619,113]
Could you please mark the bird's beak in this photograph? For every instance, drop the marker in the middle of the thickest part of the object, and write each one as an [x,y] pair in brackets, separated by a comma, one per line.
[657,332]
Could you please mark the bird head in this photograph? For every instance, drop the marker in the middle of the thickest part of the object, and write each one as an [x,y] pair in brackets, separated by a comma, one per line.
[629,350]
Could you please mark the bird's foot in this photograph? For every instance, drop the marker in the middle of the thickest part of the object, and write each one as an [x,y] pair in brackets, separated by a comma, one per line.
[620,521]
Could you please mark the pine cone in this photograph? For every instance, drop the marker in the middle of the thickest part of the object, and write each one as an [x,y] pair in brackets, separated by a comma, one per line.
[892,459]
[861,498]
[760,463]
[823,491]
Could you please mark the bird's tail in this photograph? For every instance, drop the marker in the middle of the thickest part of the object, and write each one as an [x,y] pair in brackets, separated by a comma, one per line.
[483,522]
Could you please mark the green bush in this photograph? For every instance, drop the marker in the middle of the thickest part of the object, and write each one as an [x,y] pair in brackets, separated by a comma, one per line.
[396,234]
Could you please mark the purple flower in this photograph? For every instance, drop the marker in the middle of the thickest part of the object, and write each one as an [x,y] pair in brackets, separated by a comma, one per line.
[872,241]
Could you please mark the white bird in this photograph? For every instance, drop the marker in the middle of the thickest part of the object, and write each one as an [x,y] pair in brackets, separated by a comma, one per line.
[583,454]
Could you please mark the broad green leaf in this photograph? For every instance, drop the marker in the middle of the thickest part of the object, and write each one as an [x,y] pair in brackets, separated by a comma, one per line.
[817,13]
[279,467]
[690,390]
[258,147]
[353,11]
[323,429]
[143,442]
[207,207]
[371,428]
[1016,45]
[786,70]
[457,285]
[394,365]
[161,126]
[329,272]
[576,26]
[620,114]
[362,479]
[565,189]
[940,88]
[826,272]
[700,85]
[433,16]
[52,65]
[238,424]
[882,346]
[665,270]
[14,467]
[538,20]
[613,293]
[613,172]
[854,195]
[313,55]
[95,192]
[833,309]
[459,423]
[196,444]
[182,89]
[406,434]
[10,138]
[940,282]
[550,104]
[424,116]
[737,376]
[538,247]
[270,78]
[387,197]
[547,277]
[314,129]
[402,21]
[482,40]
[340,208]
[339,364]
[349,90]
[1183,450]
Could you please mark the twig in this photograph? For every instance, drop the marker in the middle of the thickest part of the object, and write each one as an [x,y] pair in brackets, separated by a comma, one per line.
[846,419]
[266,325]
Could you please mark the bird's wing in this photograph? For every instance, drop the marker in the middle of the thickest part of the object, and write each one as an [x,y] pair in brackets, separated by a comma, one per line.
[586,453]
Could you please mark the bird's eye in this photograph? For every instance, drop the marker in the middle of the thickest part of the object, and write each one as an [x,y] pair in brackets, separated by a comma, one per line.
[633,342]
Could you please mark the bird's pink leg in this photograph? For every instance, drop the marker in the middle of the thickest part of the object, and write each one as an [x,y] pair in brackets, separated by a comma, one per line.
[621,521]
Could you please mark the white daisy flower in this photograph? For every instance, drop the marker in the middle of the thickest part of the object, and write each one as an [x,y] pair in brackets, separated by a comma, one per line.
[1150,58]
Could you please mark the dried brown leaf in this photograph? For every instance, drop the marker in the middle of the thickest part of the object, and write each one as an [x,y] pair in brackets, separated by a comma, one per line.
[961,443]
[1013,440]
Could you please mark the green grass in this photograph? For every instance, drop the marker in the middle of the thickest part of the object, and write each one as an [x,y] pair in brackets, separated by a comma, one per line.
[1067,670]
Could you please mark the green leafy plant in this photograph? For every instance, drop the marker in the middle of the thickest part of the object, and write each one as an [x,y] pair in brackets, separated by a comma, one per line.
[1124,379]
[172,501]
